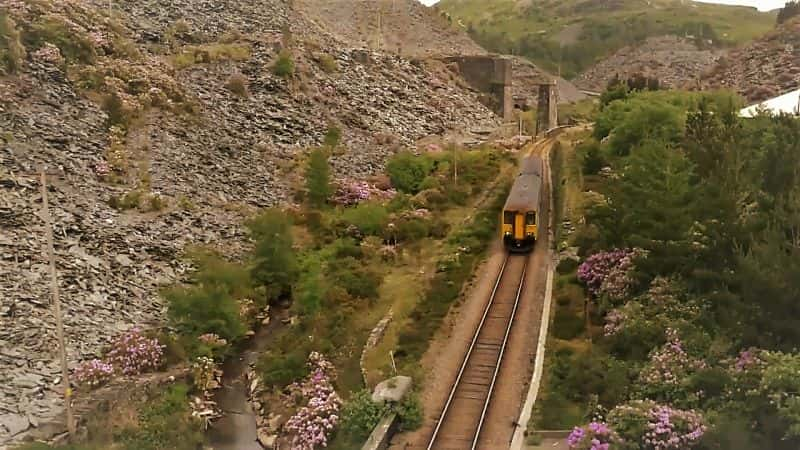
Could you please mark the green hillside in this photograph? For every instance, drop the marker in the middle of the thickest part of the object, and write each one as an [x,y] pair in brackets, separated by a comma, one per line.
[579,32]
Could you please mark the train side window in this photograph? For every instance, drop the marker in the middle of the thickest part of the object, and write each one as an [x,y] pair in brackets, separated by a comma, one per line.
[508,217]
[530,218]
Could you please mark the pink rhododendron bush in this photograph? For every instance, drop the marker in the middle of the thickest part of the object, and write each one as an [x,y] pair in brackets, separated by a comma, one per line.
[667,374]
[650,426]
[314,423]
[608,274]
[131,353]
[595,436]
[350,192]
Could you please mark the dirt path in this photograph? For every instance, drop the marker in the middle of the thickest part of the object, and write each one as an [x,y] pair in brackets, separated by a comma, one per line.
[444,357]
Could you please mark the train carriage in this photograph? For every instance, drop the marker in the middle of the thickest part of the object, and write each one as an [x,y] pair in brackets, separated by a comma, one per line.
[520,218]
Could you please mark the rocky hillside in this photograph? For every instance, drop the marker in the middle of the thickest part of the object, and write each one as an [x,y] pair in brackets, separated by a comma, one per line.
[162,125]
[676,62]
[576,34]
[763,69]
[405,27]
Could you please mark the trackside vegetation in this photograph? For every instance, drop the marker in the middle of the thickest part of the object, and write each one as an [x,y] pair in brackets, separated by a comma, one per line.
[686,256]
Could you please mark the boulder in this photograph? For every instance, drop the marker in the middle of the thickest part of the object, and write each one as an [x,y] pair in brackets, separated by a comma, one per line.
[392,390]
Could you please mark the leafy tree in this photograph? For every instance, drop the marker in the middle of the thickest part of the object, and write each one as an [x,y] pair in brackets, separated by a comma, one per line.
[318,174]
[274,263]
[791,9]
[649,205]
[205,309]
[310,292]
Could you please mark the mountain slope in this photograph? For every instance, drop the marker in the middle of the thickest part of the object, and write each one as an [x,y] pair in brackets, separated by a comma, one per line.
[590,30]
[676,62]
[162,126]
[763,69]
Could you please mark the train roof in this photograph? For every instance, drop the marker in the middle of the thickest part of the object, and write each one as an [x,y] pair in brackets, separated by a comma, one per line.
[524,195]
[532,165]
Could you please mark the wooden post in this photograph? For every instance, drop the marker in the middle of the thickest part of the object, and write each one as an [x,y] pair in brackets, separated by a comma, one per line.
[394,366]
[57,309]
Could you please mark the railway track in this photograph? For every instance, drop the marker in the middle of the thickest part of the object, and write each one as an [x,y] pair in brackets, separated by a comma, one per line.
[459,425]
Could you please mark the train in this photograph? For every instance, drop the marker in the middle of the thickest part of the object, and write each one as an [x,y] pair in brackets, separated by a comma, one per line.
[520,216]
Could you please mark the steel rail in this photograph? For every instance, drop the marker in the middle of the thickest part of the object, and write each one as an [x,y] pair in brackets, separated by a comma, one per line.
[500,356]
[467,356]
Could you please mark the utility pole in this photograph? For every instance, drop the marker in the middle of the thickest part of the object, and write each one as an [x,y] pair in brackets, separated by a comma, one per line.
[57,309]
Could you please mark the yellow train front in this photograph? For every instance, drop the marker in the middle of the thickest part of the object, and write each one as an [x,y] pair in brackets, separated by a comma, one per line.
[520,217]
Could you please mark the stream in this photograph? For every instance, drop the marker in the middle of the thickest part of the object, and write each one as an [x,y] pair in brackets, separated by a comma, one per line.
[236,429]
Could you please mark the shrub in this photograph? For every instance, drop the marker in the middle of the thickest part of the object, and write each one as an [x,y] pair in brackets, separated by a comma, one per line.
[318,174]
[205,309]
[369,218]
[132,353]
[356,278]
[130,200]
[328,63]
[165,423]
[655,426]
[211,53]
[413,229]
[93,373]
[408,171]
[237,84]
[284,65]
[74,45]
[333,136]
[567,325]
[12,52]
[118,114]
[591,157]
[278,370]
[360,415]
[312,424]
[410,413]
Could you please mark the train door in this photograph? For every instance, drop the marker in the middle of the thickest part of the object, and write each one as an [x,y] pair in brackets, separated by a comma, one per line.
[519,227]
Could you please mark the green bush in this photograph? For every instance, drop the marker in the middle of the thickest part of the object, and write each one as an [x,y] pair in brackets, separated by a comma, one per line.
[360,415]
[370,218]
[165,423]
[12,52]
[281,369]
[328,63]
[411,230]
[205,309]
[333,136]
[284,65]
[591,154]
[355,277]
[410,413]
[75,47]
[407,171]
[567,265]
[567,325]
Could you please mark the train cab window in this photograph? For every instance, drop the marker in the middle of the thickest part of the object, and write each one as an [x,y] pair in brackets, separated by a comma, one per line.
[508,217]
[530,218]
